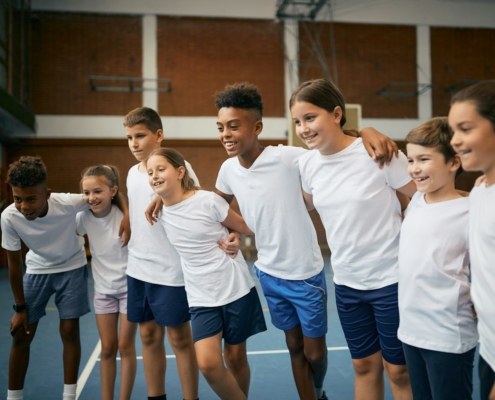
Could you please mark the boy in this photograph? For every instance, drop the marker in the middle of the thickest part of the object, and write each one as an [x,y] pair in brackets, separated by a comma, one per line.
[56,263]
[267,185]
[437,327]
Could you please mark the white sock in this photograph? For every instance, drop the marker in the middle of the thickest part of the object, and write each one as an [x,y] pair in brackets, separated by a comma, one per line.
[69,392]
[14,395]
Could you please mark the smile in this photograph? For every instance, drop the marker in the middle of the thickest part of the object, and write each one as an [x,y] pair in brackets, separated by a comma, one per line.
[309,137]
[421,179]
[229,145]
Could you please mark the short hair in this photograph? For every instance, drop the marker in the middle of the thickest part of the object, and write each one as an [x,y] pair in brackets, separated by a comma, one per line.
[482,94]
[109,172]
[242,95]
[28,171]
[146,116]
[435,133]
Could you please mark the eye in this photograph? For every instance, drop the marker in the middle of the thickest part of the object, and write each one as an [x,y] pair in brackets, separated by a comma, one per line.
[297,122]
[220,128]
[32,200]
[17,200]
[310,117]
[409,161]
[424,159]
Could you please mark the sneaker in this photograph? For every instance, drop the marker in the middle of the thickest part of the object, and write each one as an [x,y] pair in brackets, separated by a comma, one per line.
[323,396]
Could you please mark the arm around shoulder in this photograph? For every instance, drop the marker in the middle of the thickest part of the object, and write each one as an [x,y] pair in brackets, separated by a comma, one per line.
[125,225]
[308,200]
[235,222]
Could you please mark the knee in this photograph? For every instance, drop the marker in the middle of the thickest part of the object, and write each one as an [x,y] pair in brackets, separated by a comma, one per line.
[365,366]
[21,339]
[295,346]
[397,374]
[208,368]
[236,362]
[69,332]
[150,336]
[126,347]
[108,351]
[180,342]
[316,356]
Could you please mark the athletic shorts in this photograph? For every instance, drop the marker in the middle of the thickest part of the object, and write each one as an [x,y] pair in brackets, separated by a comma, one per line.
[487,378]
[71,293]
[167,305]
[110,303]
[294,302]
[370,320]
[237,320]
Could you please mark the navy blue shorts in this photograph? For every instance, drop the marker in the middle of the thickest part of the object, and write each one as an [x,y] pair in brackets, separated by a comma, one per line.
[370,320]
[71,293]
[294,302]
[432,373]
[237,320]
[167,305]
[487,378]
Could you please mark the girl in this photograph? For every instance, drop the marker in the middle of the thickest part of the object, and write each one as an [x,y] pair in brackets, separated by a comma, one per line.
[472,119]
[362,216]
[100,185]
[221,294]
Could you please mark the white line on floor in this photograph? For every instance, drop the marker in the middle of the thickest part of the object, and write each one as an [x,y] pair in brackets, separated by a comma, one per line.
[93,359]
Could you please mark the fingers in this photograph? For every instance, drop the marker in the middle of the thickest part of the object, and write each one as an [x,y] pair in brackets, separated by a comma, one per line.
[26,326]
[151,218]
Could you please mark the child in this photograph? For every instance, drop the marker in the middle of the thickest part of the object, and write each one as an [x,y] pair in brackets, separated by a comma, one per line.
[437,327]
[56,264]
[100,185]
[361,215]
[266,183]
[472,119]
[220,291]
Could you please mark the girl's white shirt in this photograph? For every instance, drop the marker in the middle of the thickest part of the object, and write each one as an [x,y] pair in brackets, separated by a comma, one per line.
[434,298]
[482,251]
[52,241]
[193,226]
[108,258]
[271,203]
[360,211]
[151,256]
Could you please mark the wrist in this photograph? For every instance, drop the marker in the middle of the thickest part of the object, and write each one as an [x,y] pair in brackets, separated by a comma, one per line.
[19,307]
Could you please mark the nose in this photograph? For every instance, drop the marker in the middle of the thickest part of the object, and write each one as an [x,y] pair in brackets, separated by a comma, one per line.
[456,140]
[133,142]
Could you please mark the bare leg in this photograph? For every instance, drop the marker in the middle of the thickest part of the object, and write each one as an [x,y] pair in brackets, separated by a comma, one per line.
[398,377]
[69,332]
[152,336]
[107,328]
[180,338]
[315,351]
[369,384]
[127,350]
[237,362]
[210,361]
[19,356]
[301,368]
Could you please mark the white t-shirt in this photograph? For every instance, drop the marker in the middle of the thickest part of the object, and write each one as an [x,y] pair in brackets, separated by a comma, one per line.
[109,259]
[271,202]
[194,228]
[151,256]
[482,251]
[360,212]
[434,300]
[52,241]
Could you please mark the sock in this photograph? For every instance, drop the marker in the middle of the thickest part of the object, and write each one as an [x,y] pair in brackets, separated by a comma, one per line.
[162,397]
[14,395]
[319,392]
[69,392]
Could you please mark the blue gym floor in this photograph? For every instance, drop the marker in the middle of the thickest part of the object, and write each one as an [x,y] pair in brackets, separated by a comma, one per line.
[271,376]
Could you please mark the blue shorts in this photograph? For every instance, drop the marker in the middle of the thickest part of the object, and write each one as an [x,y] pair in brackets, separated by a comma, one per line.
[370,320]
[71,293]
[294,302]
[237,320]
[167,305]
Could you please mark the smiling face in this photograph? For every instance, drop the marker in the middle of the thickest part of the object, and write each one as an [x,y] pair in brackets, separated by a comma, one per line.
[31,201]
[142,141]
[315,126]
[473,139]
[98,194]
[428,168]
[165,180]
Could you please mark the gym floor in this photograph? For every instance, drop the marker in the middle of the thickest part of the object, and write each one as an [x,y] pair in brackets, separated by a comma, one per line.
[271,376]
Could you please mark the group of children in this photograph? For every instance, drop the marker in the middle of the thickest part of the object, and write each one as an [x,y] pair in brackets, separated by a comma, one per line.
[402,286]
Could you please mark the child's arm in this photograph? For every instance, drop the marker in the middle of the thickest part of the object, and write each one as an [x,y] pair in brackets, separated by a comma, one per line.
[20,319]
[232,244]
[379,146]
[408,189]
[308,200]
[153,210]
[404,202]
[235,222]
[125,224]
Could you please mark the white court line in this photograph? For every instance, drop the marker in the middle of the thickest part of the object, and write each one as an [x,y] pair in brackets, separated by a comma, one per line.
[83,378]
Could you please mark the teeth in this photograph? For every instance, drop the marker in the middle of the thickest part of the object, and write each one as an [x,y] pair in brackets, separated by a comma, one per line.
[230,144]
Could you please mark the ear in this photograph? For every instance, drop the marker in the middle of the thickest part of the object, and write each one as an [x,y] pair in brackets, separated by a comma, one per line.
[114,190]
[258,127]
[181,171]
[159,135]
[456,163]
[337,113]
[48,193]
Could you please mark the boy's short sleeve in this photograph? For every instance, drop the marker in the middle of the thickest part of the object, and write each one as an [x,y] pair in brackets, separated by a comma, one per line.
[305,179]
[80,229]
[219,208]
[10,239]
[77,200]
[396,173]
[222,183]
[192,174]
[291,155]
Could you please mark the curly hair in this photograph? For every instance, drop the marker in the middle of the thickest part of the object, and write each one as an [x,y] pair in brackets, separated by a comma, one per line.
[243,95]
[28,171]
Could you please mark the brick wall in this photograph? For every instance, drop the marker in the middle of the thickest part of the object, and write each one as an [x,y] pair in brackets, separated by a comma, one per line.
[368,57]
[459,54]
[67,48]
[202,55]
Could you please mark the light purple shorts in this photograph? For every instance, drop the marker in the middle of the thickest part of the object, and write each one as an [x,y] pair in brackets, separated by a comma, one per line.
[110,303]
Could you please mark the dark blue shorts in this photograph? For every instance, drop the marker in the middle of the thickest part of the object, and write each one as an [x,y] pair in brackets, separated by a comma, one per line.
[237,320]
[71,293]
[294,302]
[439,375]
[167,305]
[370,320]
[487,378]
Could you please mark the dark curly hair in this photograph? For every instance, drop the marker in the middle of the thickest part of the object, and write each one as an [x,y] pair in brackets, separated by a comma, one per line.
[26,172]
[243,95]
